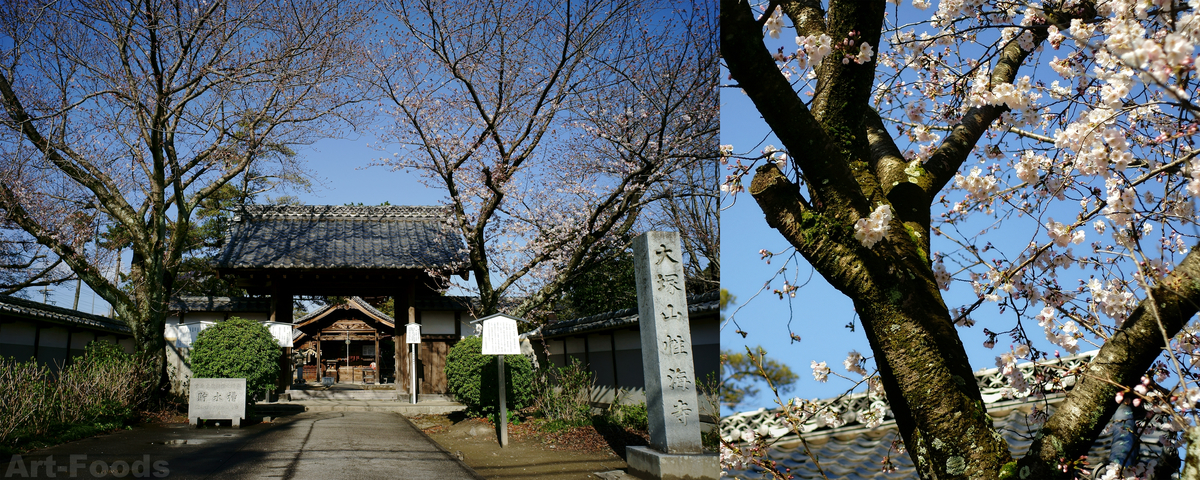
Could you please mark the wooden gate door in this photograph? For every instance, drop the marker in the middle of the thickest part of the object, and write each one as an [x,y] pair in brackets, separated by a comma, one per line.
[431,365]
[432,361]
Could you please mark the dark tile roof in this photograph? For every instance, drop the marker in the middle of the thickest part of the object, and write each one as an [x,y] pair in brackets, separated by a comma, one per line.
[39,311]
[704,303]
[861,454]
[324,236]
[220,304]
[852,449]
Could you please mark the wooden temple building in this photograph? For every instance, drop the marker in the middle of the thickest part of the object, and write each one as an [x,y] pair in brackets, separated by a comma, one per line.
[353,342]
[403,252]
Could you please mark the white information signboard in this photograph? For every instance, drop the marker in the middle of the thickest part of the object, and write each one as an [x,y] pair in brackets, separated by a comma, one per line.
[413,333]
[500,337]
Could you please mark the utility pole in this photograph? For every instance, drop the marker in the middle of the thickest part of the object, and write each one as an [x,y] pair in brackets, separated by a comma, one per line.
[45,294]
[116,281]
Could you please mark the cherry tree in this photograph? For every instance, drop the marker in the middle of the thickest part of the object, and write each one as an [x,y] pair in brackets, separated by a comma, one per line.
[24,263]
[124,116]
[1035,156]
[551,125]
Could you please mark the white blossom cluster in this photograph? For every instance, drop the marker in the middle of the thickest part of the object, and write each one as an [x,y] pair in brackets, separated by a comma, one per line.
[1140,471]
[820,371]
[977,186]
[1061,233]
[940,274]
[854,363]
[1193,187]
[1112,300]
[1007,362]
[812,50]
[1067,339]
[874,228]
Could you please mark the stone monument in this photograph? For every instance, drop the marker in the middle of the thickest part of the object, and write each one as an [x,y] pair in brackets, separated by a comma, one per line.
[217,399]
[675,451]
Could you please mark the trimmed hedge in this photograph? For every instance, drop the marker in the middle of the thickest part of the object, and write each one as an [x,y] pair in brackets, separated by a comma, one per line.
[237,348]
[472,378]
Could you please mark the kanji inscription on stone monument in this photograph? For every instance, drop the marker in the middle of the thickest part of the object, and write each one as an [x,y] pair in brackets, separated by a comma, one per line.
[217,398]
[666,339]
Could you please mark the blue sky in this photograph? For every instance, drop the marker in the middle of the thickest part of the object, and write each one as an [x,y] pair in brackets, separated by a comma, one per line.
[342,176]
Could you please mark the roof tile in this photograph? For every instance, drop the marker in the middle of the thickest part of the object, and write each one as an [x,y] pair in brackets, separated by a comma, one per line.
[325,236]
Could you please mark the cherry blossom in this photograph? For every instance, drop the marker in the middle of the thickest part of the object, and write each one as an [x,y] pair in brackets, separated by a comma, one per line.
[820,371]
[874,228]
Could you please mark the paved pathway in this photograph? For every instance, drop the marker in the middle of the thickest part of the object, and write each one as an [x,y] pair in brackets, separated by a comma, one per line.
[311,445]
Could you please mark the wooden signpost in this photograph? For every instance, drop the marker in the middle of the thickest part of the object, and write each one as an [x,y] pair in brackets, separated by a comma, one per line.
[413,337]
[500,339]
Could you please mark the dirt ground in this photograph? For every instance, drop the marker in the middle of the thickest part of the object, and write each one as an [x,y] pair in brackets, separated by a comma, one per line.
[578,453]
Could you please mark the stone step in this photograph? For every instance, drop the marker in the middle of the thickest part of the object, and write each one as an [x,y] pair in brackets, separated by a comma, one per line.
[341,395]
[405,408]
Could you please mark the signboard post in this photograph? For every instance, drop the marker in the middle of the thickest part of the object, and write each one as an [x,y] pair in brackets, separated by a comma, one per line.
[500,339]
[413,337]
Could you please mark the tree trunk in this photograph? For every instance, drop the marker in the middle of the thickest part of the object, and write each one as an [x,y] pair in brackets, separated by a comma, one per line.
[1191,468]
[948,434]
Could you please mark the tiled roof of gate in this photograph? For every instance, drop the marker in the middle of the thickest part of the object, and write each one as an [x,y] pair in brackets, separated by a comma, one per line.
[326,236]
[704,303]
[220,304]
[40,311]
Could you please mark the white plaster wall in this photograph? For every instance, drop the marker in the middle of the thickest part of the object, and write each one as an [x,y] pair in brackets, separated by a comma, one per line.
[599,343]
[79,340]
[437,323]
[628,339]
[468,328]
[186,333]
[282,333]
[19,333]
[555,347]
[179,368]
[574,345]
[53,337]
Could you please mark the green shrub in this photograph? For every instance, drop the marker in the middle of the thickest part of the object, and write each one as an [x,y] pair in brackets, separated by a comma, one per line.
[237,348]
[97,392]
[564,394]
[629,415]
[472,379]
